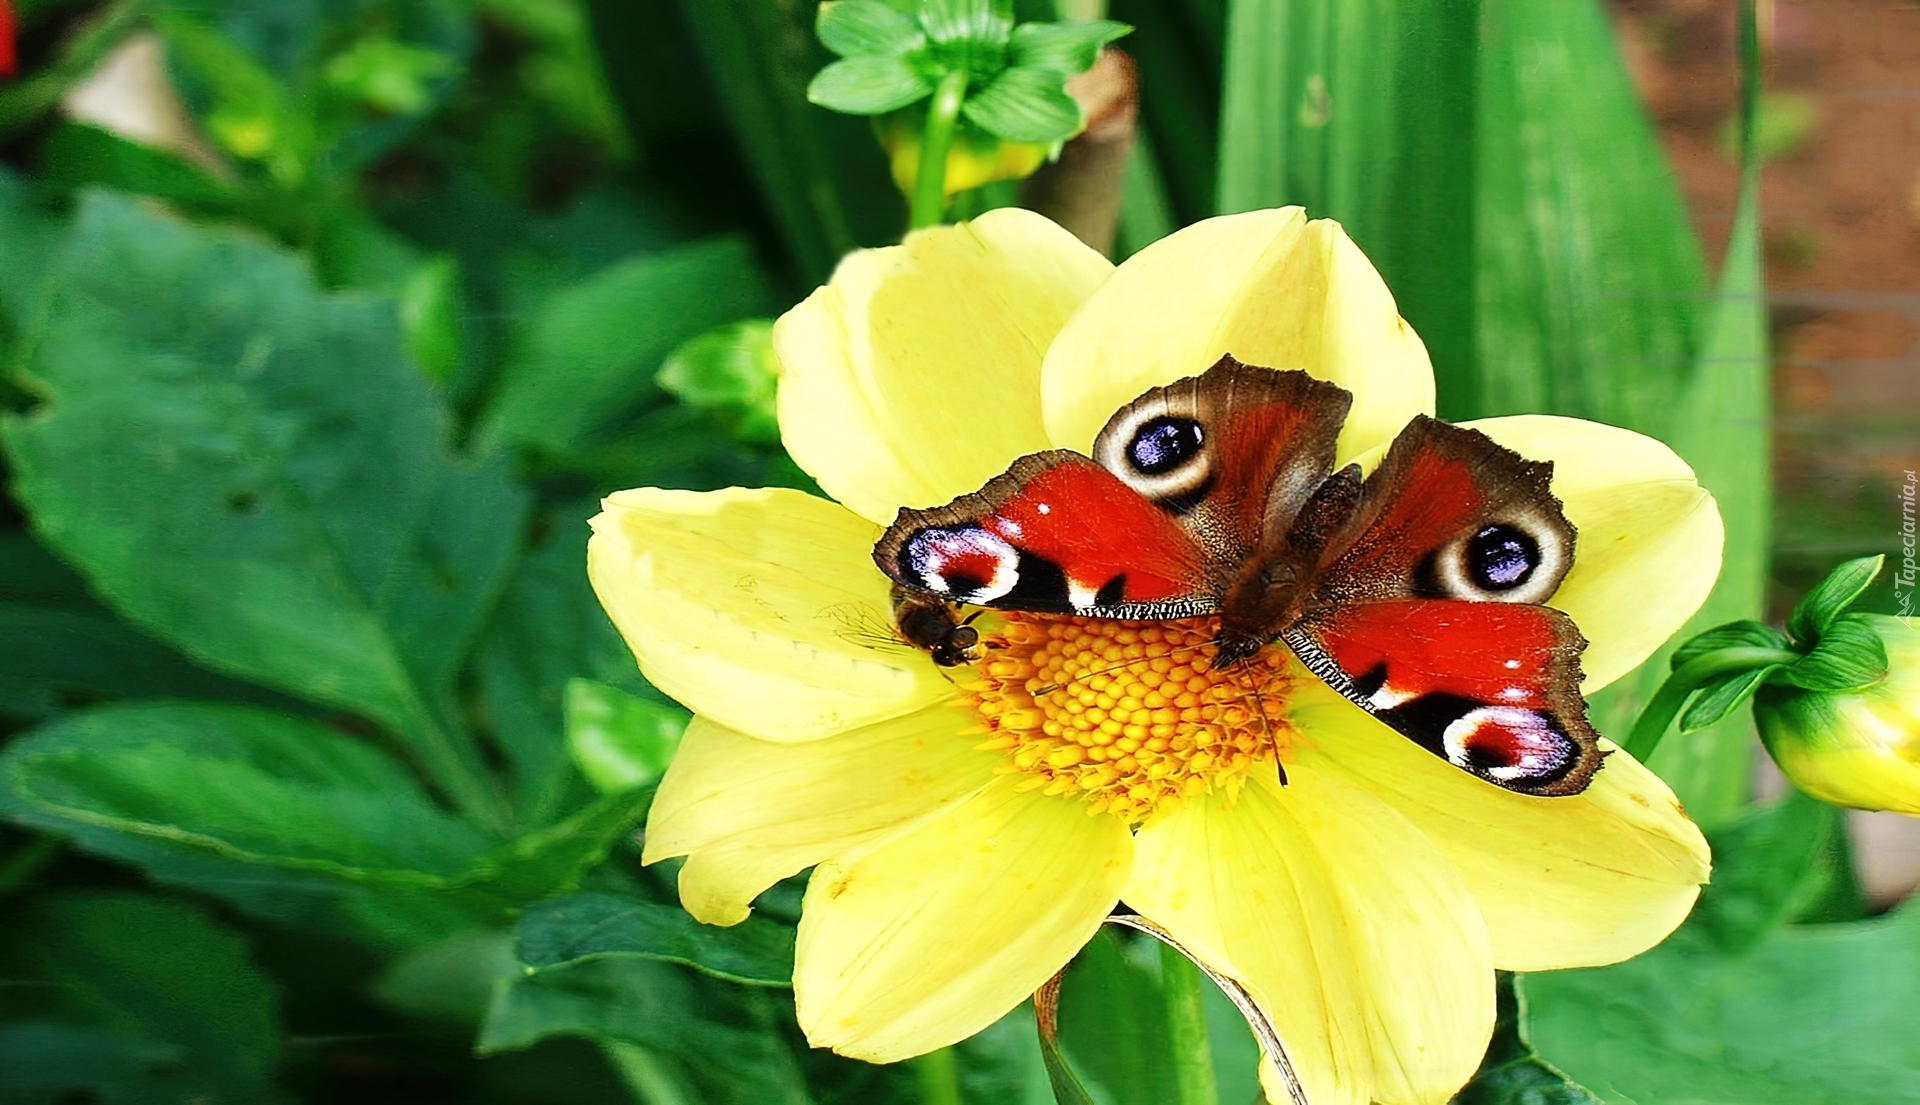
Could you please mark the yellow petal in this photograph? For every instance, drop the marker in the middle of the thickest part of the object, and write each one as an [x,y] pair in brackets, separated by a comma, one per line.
[1649,539]
[914,375]
[748,813]
[927,935]
[758,609]
[1577,881]
[1268,287]
[1354,934]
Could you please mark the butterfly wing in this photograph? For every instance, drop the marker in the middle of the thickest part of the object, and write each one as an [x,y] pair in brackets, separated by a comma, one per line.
[1427,609]
[1055,534]
[1180,489]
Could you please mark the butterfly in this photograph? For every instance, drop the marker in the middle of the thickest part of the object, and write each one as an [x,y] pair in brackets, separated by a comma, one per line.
[1417,591]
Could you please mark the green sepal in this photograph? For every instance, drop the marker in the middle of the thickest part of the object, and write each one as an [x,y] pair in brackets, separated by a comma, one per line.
[1743,634]
[1066,48]
[1814,613]
[868,85]
[982,24]
[1722,696]
[1025,104]
[867,28]
[1848,657]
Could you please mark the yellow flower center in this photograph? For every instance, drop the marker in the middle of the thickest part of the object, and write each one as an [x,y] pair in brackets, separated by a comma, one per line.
[1131,717]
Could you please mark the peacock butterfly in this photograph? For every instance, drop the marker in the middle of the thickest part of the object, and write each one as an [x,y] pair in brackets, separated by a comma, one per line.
[1416,591]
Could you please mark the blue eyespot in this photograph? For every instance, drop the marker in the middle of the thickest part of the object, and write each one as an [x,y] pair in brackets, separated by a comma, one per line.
[1162,444]
[1500,558]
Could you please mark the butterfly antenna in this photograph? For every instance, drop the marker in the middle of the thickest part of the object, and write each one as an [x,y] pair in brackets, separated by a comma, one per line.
[1121,666]
[1246,668]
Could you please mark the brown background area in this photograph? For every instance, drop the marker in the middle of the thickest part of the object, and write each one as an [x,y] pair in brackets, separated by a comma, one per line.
[1840,209]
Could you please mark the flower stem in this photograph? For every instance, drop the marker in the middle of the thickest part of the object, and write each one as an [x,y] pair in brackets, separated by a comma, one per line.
[939,1078]
[1691,676]
[930,180]
[1187,1030]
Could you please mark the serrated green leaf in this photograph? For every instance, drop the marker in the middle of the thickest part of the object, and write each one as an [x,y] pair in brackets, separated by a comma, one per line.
[1812,614]
[755,952]
[1850,656]
[1026,104]
[588,356]
[251,470]
[232,782]
[854,28]
[617,740]
[1742,634]
[868,85]
[1066,48]
[1722,696]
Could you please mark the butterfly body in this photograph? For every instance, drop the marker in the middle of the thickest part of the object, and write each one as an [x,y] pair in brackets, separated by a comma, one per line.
[1418,590]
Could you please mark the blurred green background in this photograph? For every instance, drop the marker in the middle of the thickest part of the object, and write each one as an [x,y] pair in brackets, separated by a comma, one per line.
[324,322]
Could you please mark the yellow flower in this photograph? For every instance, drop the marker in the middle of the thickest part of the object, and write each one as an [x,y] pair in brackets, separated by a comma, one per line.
[1365,903]
[975,158]
[1858,748]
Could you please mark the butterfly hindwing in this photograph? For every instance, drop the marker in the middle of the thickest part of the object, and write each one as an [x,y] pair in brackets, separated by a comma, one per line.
[1426,598]
[1056,533]
[1491,687]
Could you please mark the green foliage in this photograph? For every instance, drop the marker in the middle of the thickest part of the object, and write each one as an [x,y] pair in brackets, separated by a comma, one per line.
[755,952]
[617,740]
[1740,1006]
[1815,612]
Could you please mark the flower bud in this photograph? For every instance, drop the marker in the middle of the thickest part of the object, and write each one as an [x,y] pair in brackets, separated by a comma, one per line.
[1858,748]
[975,158]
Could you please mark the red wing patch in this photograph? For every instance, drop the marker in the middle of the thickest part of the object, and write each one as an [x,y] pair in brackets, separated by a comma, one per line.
[1492,687]
[1056,534]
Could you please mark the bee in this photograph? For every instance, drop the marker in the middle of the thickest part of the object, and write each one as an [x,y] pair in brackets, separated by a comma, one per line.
[935,627]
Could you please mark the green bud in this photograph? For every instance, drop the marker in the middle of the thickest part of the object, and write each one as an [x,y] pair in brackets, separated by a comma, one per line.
[1858,748]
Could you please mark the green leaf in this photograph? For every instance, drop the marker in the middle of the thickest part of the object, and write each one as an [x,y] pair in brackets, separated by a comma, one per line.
[76,155]
[1850,655]
[252,471]
[234,782]
[1026,104]
[756,952]
[722,1040]
[617,740]
[87,654]
[1741,634]
[548,629]
[1066,48]
[852,28]
[589,354]
[1774,865]
[1722,696]
[1812,614]
[732,372]
[1512,1073]
[553,859]
[868,85]
[1807,1014]
[450,980]
[154,970]
[1113,1021]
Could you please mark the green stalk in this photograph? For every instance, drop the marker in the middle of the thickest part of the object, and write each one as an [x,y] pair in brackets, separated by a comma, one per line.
[930,180]
[939,1078]
[1187,1030]
[1673,694]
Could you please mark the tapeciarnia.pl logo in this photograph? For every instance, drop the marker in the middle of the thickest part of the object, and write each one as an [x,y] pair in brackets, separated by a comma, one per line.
[1904,576]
